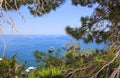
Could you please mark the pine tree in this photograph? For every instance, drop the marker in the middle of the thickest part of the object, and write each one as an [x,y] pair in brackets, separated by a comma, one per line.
[102,26]
[36,7]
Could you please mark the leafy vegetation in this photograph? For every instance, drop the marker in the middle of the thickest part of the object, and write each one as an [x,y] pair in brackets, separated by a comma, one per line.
[46,72]
[102,25]
[36,7]
[75,63]
[81,63]
[9,68]
[50,58]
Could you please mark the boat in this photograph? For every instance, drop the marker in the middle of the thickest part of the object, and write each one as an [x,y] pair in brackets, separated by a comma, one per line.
[29,69]
[0,59]
[51,49]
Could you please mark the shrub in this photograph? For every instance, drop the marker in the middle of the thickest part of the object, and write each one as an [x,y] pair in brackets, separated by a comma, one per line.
[9,68]
[46,72]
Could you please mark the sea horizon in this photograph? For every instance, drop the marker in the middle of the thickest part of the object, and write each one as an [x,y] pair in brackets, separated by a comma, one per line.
[24,45]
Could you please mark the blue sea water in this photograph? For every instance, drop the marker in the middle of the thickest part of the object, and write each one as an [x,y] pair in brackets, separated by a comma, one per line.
[25,45]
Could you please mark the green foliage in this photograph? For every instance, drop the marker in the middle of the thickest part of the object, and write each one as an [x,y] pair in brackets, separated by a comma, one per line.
[36,7]
[46,72]
[103,24]
[9,68]
[79,63]
[92,61]
[48,59]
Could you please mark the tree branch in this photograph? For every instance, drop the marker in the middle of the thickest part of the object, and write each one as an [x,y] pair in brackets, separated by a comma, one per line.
[115,72]
[70,75]
[95,76]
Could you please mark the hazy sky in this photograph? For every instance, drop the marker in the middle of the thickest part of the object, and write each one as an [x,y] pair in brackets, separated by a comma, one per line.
[53,23]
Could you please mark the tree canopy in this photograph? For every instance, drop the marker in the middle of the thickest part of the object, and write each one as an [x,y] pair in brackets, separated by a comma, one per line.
[102,26]
[36,7]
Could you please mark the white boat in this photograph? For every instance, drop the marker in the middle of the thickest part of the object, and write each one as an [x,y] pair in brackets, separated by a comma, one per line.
[30,69]
[0,59]
[51,49]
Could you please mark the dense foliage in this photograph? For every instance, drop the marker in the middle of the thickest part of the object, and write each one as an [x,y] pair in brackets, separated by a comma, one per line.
[102,26]
[36,7]
[10,68]
[74,63]
[45,72]
[81,63]
[50,58]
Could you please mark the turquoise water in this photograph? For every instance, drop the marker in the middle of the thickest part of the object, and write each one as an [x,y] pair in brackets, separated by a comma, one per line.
[24,46]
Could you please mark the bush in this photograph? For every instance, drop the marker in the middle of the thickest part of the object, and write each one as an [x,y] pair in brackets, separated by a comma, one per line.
[48,59]
[81,63]
[45,72]
[9,68]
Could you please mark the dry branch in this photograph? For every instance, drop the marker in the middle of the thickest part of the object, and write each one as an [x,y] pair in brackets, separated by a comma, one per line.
[7,19]
[70,74]
[95,76]
[1,35]
[115,72]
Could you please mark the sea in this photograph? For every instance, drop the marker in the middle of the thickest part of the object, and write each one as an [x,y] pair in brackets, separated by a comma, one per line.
[25,45]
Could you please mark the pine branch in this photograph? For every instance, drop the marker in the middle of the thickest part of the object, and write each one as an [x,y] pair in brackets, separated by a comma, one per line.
[70,74]
[95,76]
[115,72]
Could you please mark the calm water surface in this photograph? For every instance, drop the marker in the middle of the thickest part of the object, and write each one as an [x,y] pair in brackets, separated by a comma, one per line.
[24,46]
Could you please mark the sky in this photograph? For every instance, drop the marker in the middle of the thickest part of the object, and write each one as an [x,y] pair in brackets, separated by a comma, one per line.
[53,23]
